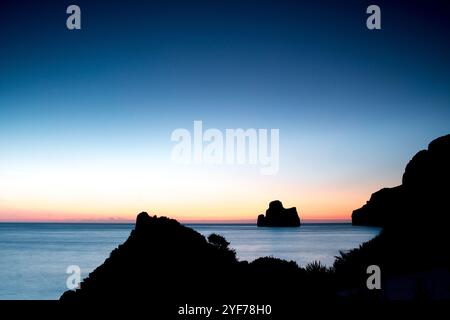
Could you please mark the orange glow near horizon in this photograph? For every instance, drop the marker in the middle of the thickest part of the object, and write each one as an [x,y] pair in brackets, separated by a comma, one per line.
[92,194]
[326,207]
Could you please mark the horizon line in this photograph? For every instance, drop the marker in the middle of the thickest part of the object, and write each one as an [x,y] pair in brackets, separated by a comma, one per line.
[182,221]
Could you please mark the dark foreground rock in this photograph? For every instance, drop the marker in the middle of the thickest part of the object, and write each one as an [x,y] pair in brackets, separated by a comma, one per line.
[278,216]
[164,261]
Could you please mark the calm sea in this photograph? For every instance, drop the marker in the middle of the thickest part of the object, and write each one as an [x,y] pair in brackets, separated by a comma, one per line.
[34,256]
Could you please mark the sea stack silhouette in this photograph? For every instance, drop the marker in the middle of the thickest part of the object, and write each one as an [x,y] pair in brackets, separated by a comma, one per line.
[278,216]
[421,197]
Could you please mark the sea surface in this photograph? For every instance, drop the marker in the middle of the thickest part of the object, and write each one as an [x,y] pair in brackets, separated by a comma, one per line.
[34,257]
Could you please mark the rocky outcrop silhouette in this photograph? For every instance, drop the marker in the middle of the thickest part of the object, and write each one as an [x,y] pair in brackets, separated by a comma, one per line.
[164,261]
[422,196]
[278,216]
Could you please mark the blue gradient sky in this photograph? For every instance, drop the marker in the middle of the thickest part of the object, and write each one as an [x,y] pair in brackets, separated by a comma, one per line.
[86,116]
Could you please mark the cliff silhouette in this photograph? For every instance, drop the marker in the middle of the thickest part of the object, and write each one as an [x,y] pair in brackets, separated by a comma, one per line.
[412,249]
[278,216]
[421,199]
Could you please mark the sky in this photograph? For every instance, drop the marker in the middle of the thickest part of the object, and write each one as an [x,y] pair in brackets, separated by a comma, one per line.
[86,116]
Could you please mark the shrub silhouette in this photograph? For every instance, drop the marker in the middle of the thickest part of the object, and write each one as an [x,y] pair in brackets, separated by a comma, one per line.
[221,244]
[218,241]
[316,267]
